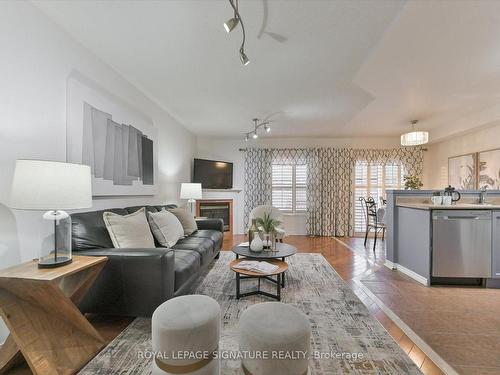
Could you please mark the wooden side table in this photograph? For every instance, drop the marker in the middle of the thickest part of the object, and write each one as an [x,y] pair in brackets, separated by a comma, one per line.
[46,328]
[244,274]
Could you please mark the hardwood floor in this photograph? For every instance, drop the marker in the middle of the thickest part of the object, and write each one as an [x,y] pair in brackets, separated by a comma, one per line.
[352,261]
[349,258]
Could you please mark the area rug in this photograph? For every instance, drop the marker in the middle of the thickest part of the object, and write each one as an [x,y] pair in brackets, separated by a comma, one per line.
[346,339]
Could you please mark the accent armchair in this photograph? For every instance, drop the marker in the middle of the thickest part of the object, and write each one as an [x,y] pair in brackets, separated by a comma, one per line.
[259,211]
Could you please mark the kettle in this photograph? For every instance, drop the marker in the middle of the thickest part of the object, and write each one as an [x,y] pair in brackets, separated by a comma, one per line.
[451,192]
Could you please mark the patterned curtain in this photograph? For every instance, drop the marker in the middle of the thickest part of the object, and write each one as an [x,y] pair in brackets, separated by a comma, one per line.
[330,192]
[258,179]
[330,180]
[411,158]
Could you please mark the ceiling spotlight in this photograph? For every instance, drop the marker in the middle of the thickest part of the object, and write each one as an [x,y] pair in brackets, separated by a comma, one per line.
[244,59]
[267,128]
[231,24]
[246,137]
[254,135]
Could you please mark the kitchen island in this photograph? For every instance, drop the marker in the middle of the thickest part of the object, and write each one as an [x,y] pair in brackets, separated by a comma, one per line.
[457,243]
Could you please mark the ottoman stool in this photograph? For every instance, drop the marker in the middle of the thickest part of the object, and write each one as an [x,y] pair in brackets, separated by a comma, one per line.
[278,333]
[185,334]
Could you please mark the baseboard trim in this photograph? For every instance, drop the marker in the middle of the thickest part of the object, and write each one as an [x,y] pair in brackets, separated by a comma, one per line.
[390,265]
[429,352]
[415,276]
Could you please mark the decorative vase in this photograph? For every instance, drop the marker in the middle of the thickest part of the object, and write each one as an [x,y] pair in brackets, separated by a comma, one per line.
[256,245]
[253,229]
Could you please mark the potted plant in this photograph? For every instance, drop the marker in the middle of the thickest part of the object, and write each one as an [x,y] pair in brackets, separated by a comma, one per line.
[268,226]
[412,182]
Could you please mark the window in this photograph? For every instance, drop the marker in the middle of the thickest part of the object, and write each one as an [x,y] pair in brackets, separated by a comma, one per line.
[372,180]
[289,187]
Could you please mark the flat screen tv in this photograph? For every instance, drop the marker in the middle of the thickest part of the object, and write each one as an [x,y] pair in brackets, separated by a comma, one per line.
[213,174]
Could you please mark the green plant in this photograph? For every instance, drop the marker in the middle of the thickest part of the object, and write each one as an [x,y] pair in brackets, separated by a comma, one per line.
[268,223]
[412,182]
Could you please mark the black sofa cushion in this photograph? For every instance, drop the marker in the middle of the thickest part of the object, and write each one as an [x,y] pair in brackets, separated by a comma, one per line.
[203,246]
[187,264]
[214,235]
[89,230]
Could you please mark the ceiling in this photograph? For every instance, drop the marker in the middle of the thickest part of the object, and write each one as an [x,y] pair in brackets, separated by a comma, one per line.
[323,68]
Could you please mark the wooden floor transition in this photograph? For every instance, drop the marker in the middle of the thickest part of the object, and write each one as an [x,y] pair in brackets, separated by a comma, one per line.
[349,258]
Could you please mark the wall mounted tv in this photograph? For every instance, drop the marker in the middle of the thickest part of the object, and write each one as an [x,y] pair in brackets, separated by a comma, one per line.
[213,174]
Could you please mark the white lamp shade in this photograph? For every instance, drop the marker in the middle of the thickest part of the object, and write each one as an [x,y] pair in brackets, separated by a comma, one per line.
[190,191]
[50,185]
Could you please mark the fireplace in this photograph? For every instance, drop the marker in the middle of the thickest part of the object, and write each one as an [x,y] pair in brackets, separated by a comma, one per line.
[217,209]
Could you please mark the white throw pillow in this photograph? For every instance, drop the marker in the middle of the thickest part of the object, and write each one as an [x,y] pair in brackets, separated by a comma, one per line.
[129,231]
[166,228]
[187,220]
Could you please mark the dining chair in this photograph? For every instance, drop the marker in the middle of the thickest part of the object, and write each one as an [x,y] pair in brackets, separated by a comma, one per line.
[372,219]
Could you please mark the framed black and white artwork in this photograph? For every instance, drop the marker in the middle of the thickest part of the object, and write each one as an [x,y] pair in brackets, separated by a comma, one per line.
[115,140]
[462,171]
[489,169]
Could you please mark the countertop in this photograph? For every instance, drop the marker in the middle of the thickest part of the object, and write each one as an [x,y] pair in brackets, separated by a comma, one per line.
[458,206]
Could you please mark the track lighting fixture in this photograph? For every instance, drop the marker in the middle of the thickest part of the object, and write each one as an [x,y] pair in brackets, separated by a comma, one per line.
[231,24]
[256,125]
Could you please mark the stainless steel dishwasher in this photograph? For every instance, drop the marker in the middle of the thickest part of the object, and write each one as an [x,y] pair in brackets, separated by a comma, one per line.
[461,243]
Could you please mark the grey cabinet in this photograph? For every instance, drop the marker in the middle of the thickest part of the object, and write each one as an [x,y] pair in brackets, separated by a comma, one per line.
[495,260]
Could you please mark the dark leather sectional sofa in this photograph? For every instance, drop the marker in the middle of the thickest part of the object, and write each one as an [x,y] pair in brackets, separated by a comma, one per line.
[136,281]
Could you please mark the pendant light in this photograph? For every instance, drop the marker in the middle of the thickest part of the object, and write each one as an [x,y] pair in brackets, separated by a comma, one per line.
[414,138]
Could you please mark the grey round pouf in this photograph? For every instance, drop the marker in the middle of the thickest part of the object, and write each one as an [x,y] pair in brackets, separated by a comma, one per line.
[277,333]
[185,334]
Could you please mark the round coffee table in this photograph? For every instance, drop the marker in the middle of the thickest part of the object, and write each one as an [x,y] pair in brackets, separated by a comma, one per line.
[245,274]
[283,251]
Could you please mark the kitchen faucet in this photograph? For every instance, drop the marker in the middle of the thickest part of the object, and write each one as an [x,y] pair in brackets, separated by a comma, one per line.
[482,194]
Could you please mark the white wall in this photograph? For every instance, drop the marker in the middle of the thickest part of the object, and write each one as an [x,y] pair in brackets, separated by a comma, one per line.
[36,59]
[227,150]
[436,158]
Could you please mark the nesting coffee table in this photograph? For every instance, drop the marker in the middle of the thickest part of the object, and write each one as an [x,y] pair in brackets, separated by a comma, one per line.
[246,274]
[282,252]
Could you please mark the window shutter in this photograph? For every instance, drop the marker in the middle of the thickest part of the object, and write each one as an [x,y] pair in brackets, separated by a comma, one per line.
[300,188]
[282,187]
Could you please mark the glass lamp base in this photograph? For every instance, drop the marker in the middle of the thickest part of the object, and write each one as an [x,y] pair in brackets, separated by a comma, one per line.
[54,262]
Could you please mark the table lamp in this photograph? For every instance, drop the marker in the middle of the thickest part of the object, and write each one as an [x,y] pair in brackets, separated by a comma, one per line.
[191,192]
[54,186]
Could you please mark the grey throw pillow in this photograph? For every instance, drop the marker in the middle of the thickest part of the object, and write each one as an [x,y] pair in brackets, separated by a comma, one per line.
[129,231]
[166,228]
[187,220]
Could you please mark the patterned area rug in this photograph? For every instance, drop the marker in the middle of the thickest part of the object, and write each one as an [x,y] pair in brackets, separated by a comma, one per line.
[346,339]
